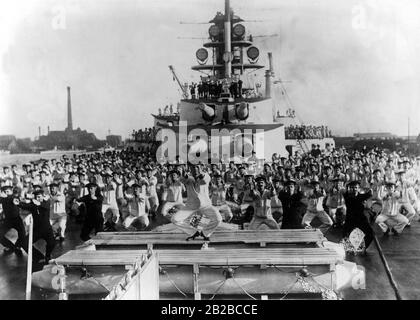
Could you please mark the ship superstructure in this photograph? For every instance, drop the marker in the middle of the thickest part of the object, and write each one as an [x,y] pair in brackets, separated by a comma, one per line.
[226,104]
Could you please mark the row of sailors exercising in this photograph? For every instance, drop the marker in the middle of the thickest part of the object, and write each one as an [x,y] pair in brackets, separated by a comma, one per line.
[266,201]
[243,192]
[273,205]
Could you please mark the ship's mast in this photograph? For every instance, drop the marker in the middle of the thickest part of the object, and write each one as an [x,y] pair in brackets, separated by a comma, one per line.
[227,57]
[228,41]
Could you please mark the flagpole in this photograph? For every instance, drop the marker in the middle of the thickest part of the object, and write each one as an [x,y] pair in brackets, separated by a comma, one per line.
[408,136]
[29,266]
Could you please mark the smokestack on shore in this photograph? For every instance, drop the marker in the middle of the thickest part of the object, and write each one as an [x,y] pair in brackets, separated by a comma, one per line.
[69,117]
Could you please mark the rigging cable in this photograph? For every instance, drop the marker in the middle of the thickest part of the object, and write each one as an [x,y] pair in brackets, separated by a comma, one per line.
[291,286]
[289,289]
[172,282]
[243,289]
[218,289]
[88,275]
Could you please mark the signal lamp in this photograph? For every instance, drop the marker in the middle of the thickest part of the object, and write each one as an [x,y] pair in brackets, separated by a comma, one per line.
[239,30]
[253,53]
[202,54]
[214,31]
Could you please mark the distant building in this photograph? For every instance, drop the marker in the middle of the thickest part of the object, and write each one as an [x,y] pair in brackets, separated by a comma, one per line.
[15,145]
[69,138]
[7,142]
[375,135]
[346,142]
[24,145]
[114,141]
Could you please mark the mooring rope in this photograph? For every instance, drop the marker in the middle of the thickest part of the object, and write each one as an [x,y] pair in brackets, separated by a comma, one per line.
[291,286]
[290,289]
[173,283]
[89,275]
[243,289]
[218,289]
[101,284]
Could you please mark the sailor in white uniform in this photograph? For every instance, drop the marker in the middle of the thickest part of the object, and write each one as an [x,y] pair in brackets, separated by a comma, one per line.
[408,200]
[136,206]
[151,190]
[110,205]
[198,204]
[390,219]
[218,197]
[262,206]
[58,215]
[172,194]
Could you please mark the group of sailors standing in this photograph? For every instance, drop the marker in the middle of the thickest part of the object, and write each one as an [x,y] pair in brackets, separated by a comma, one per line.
[307,132]
[145,135]
[130,191]
[207,89]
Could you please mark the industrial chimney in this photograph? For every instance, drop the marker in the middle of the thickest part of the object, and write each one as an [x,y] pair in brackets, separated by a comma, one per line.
[39,132]
[69,117]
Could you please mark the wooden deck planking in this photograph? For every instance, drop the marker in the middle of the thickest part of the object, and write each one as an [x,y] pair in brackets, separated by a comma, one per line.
[288,232]
[267,231]
[243,236]
[278,256]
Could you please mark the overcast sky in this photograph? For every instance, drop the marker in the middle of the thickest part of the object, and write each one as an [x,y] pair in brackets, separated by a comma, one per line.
[352,65]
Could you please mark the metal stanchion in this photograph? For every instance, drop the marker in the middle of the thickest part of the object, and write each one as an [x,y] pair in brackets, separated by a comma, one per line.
[29,266]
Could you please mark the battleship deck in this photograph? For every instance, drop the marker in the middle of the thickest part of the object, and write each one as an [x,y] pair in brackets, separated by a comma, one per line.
[312,237]
[260,256]
[401,252]
[198,272]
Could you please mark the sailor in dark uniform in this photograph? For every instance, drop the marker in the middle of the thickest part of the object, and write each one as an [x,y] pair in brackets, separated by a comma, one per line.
[293,207]
[240,88]
[355,217]
[192,90]
[40,210]
[12,220]
[94,219]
